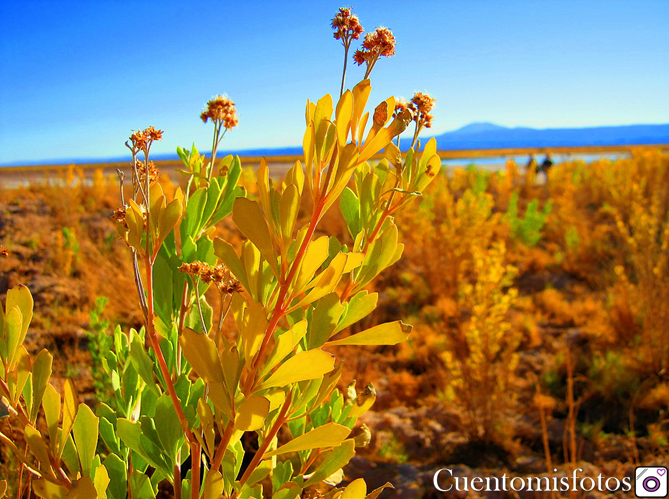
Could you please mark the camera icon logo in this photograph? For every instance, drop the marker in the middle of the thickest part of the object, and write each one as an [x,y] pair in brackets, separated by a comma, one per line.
[650,481]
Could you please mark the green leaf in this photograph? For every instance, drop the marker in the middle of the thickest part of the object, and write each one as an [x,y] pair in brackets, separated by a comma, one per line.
[282,474]
[85,432]
[109,437]
[334,461]
[116,468]
[191,223]
[140,486]
[168,426]
[329,435]
[360,306]
[213,196]
[390,333]
[303,366]
[142,363]
[350,208]
[41,375]
[325,318]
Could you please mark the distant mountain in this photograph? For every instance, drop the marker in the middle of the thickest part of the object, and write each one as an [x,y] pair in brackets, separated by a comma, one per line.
[490,136]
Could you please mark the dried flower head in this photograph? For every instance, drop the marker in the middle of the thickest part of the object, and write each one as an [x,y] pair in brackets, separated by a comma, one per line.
[140,168]
[141,139]
[119,216]
[221,109]
[220,275]
[401,106]
[381,42]
[346,26]
[3,252]
[421,105]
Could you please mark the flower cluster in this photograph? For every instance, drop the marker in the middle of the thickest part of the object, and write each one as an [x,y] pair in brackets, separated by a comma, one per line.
[141,139]
[221,109]
[346,26]
[140,168]
[379,43]
[220,275]
[421,105]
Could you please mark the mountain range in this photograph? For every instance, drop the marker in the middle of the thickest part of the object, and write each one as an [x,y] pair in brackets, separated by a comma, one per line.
[491,136]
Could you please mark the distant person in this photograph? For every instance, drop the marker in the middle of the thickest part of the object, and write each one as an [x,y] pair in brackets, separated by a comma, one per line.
[545,166]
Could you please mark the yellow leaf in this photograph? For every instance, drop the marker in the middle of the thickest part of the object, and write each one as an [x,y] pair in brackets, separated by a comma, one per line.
[325,282]
[169,218]
[343,116]
[353,261]
[390,333]
[51,404]
[285,344]
[303,366]
[288,208]
[48,490]
[101,482]
[219,396]
[328,435]
[213,485]
[201,353]
[83,489]
[322,119]
[38,447]
[252,413]
[317,253]
[3,488]
[231,367]
[252,330]
[375,493]
[70,404]
[20,297]
[249,219]
[357,489]
[382,138]
[263,188]
[276,399]
[360,95]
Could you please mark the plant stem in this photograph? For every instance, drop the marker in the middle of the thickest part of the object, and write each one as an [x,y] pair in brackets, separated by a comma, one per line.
[177,481]
[281,304]
[222,446]
[343,76]
[196,461]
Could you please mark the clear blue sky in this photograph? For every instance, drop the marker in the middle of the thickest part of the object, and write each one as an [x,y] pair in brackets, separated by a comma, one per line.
[77,77]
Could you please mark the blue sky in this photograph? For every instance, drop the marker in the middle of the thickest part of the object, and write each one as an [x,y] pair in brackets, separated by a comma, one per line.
[77,77]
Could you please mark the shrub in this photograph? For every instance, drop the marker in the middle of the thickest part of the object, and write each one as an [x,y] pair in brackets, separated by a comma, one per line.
[186,388]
